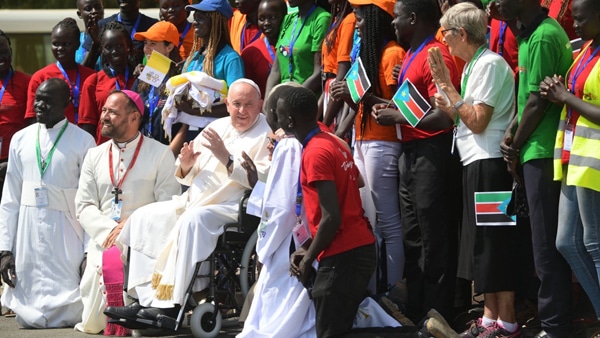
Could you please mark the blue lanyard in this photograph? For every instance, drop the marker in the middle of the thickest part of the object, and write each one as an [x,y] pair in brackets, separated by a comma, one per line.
[184,33]
[355,49]
[153,98]
[75,90]
[5,84]
[578,70]
[269,49]
[243,37]
[293,40]
[503,26]
[406,65]
[310,135]
[135,25]
[299,199]
[126,75]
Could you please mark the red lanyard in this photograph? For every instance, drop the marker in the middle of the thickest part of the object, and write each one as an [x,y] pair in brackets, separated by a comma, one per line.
[110,164]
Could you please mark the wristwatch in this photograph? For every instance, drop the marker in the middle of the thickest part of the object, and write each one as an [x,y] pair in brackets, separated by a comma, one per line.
[230,162]
[457,105]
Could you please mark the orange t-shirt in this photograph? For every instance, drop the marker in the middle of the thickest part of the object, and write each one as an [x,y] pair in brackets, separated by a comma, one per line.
[341,49]
[392,55]
[236,29]
[188,43]
[460,63]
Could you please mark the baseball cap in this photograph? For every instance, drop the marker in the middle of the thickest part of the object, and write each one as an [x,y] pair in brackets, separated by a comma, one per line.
[386,5]
[221,6]
[136,98]
[160,31]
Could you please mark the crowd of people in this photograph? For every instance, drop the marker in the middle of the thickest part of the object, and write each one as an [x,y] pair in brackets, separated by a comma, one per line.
[417,152]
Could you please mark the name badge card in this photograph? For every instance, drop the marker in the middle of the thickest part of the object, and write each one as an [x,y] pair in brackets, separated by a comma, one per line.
[115,210]
[568,141]
[41,197]
[300,231]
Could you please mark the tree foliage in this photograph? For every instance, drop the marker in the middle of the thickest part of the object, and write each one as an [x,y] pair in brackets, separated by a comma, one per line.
[63,4]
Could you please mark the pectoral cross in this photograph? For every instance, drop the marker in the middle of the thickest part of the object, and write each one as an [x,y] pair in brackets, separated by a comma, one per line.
[116,191]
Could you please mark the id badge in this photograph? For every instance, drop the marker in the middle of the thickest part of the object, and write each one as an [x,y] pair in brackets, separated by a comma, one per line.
[115,210]
[568,140]
[300,232]
[41,197]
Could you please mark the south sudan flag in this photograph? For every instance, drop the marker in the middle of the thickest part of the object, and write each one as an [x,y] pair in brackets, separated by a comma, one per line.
[490,209]
[358,81]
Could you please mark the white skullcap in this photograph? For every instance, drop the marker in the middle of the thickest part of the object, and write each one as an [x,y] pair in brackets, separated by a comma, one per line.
[247,81]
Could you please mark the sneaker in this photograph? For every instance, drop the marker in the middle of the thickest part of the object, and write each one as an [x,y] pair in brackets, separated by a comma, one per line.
[392,309]
[495,331]
[474,330]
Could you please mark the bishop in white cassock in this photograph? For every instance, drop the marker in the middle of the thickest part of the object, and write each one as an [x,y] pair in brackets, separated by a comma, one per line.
[188,227]
[41,241]
[145,178]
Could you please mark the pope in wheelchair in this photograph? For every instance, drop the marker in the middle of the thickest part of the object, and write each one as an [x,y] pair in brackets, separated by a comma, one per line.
[167,239]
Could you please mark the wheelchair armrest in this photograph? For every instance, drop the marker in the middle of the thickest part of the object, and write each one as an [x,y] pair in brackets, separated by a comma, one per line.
[243,218]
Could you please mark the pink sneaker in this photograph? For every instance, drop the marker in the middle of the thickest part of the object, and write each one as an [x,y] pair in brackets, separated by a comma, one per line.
[495,331]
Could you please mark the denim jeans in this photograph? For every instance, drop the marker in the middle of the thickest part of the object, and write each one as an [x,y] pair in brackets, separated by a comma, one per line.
[579,236]
[378,162]
[339,288]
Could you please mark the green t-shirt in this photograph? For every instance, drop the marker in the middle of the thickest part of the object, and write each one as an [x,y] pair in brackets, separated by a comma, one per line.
[547,51]
[310,37]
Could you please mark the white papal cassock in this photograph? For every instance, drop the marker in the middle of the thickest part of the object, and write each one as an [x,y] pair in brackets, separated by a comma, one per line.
[47,242]
[150,180]
[189,225]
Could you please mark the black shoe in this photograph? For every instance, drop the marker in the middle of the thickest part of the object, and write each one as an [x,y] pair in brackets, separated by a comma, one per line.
[152,313]
[127,312]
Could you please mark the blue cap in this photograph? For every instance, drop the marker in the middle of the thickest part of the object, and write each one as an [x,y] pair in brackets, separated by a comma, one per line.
[221,6]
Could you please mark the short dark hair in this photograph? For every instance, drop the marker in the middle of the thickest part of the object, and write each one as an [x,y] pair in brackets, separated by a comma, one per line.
[62,88]
[300,102]
[427,10]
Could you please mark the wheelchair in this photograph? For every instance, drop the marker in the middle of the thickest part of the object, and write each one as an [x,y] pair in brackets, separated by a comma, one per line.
[233,269]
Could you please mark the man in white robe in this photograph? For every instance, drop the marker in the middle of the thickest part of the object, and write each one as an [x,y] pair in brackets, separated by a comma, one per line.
[149,179]
[41,242]
[210,166]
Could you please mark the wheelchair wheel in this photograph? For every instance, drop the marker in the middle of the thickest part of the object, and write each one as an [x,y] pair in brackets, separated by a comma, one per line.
[202,323]
[249,265]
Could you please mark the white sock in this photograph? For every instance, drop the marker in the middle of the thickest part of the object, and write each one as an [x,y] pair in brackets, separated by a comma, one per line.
[510,327]
[485,321]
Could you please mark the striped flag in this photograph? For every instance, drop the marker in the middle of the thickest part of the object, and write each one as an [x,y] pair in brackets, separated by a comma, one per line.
[410,103]
[357,80]
[490,209]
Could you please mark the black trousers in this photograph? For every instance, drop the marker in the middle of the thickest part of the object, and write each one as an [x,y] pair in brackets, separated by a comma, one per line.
[430,205]
[555,292]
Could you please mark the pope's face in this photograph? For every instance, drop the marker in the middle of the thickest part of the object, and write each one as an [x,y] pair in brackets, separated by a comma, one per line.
[244,105]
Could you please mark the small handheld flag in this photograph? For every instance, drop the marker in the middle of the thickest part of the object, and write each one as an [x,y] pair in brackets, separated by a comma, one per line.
[357,80]
[490,209]
[156,69]
[410,103]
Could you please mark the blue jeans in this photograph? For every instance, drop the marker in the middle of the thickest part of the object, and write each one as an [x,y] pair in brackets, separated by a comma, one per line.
[578,237]
[380,162]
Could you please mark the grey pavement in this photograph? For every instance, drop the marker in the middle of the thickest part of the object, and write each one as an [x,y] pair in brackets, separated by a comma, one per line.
[10,329]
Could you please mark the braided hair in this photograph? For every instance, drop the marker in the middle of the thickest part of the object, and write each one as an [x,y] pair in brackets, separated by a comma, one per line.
[219,31]
[121,29]
[377,33]
[338,12]
[68,23]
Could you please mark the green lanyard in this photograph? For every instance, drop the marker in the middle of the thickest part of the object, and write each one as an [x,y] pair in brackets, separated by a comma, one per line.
[465,79]
[43,165]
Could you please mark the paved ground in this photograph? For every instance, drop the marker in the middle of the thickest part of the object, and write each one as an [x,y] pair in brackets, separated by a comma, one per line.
[10,329]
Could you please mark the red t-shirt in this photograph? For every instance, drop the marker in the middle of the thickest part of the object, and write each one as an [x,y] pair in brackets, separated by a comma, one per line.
[579,86]
[12,108]
[509,48]
[325,159]
[93,96]
[419,74]
[51,71]
[258,62]
[561,11]
[241,33]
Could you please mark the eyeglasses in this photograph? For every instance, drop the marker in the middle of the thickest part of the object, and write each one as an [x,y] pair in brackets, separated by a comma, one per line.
[443,31]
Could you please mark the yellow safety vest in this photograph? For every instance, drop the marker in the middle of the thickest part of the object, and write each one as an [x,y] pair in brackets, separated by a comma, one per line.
[584,163]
